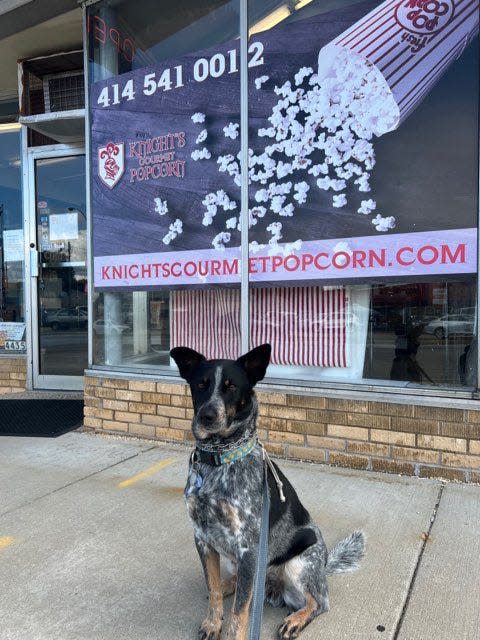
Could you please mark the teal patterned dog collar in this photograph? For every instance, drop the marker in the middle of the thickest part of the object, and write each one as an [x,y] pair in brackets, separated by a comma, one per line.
[217,458]
[239,453]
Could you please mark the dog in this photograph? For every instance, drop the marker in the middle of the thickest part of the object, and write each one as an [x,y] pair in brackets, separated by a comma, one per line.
[224,501]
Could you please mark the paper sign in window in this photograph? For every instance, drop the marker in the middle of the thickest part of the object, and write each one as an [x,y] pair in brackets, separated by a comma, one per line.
[63,226]
[11,331]
[13,248]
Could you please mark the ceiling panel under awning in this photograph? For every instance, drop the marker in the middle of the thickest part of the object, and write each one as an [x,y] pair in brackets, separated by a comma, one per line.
[61,33]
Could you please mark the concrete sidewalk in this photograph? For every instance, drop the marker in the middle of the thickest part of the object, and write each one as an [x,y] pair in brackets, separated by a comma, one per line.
[95,544]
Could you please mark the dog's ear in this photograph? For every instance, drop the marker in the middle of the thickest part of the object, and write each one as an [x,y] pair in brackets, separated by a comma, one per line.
[255,363]
[187,361]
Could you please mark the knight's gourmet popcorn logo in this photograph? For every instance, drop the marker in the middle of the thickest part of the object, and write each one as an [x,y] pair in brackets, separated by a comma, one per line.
[111,163]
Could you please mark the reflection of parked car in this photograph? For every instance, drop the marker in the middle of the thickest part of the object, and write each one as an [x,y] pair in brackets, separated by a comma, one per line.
[324,321]
[467,311]
[101,326]
[65,319]
[451,324]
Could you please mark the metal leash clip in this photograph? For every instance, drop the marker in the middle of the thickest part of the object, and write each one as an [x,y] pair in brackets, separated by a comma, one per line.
[271,466]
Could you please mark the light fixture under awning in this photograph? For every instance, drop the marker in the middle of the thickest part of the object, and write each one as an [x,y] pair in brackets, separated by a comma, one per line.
[271,19]
[282,12]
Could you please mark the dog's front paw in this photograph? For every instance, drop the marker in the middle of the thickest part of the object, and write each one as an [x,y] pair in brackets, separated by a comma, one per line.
[289,629]
[210,630]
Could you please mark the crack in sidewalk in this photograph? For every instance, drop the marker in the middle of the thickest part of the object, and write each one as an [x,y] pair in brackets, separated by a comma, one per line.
[70,484]
[418,563]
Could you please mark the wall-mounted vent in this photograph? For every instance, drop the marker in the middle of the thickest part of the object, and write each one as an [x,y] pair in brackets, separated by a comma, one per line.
[64,91]
[52,84]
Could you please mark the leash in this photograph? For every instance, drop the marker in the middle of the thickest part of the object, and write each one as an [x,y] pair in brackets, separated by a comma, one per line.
[258,598]
[227,456]
[256,611]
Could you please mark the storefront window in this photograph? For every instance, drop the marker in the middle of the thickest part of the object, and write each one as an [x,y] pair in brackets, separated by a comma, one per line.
[363,197]
[157,131]
[12,318]
[423,334]
[363,187]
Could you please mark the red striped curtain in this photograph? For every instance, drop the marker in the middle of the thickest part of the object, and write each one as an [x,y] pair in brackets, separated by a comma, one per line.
[306,326]
[207,320]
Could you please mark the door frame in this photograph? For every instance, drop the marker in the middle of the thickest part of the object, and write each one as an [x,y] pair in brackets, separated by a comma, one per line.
[35,380]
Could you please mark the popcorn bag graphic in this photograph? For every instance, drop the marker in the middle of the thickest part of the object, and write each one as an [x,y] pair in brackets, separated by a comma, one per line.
[398,52]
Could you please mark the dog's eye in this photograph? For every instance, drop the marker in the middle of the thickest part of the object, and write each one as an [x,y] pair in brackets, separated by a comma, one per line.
[203,384]
[231,387]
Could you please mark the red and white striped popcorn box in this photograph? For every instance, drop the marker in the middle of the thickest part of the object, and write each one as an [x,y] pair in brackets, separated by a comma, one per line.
[410,42]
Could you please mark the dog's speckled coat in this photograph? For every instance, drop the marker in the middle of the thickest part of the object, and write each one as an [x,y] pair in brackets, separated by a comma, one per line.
[224,503]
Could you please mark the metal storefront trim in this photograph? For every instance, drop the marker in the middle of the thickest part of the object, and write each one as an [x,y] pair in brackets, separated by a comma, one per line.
[27,234]
[35,379]
[477,394]
[88,211]
[244,276]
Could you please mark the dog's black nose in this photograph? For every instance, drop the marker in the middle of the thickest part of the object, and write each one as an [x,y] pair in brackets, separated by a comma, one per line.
[207,416]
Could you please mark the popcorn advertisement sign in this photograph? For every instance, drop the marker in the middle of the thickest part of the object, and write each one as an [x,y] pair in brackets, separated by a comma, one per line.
[362,153]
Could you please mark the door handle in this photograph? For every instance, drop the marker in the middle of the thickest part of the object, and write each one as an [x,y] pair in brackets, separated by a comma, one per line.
[33,263]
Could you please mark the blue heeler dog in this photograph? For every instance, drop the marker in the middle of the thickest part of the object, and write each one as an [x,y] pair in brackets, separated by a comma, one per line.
[224,499]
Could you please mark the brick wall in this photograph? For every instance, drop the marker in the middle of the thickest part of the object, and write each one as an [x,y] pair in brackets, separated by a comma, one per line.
[13,374]
[379,436]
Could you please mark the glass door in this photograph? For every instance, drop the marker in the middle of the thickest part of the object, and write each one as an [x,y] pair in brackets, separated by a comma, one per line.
[58,266]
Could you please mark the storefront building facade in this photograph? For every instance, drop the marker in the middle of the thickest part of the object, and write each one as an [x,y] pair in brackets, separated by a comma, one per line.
[43,291]
[295,173]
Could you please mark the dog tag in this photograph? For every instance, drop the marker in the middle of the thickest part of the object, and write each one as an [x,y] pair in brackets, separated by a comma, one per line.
[195,483]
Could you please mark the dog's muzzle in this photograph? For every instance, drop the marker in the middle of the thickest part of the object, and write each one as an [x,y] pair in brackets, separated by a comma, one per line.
[208,416]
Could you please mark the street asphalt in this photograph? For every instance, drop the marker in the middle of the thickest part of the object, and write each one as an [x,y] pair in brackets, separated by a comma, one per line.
[95,544]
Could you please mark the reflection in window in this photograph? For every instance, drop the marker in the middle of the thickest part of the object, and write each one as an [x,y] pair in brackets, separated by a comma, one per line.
[423,334]
[11,241]
[142,328]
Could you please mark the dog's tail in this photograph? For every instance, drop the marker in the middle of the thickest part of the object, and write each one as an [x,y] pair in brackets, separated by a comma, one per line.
[346,555]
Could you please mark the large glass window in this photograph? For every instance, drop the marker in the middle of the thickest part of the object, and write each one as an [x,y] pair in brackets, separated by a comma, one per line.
[157,132]
[362,187]
[12,314]
[363,191]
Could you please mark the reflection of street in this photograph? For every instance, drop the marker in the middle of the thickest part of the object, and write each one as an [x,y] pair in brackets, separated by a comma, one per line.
[63,352]
[439,359]
[157,355]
